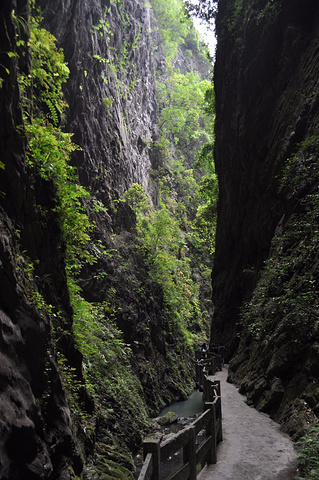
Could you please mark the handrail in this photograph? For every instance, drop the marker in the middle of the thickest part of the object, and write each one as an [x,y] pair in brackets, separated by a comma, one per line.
[216,360]
[194,453]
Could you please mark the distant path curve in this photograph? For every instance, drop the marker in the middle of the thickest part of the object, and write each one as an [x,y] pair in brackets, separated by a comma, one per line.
[253,447]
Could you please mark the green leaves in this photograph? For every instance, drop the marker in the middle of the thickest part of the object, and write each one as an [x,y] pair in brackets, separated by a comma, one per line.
[49,148]
[107,373]
[183,222]
[173,31]
[309,455]
[182,115]
[166,253]
[186,118]
[49,72]
[136,198]
[49,153]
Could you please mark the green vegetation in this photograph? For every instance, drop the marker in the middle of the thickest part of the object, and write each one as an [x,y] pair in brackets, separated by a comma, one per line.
[49,154]
[173,239]
[49,148]
[173,23]
[308,465]
[281,319]
[103,28]
[107,375]
[288,285]
[166,251]
[182,118]
[49,72]
[270,7]
[177,234]
[117,61]
[176,30]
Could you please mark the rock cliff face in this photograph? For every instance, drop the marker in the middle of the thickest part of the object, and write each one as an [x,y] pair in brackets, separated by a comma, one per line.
[266,84]
[38,436]
[110,50]
[112,113]
[111,90]
[35,421]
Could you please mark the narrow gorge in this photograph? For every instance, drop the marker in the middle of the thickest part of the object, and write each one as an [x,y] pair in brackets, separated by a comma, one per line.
[105,264]
[152,198]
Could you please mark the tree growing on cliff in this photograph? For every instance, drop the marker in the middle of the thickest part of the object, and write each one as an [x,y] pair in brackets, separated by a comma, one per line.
[182,118]
[176,232]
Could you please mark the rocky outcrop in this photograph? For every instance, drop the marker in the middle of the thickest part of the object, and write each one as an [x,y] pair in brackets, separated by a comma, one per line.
[36,433]
[109,47]
[266,113]
[111,90]
[112,112]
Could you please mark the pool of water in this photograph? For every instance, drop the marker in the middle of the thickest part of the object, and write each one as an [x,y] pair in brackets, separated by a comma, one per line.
[193,405]
[187,408]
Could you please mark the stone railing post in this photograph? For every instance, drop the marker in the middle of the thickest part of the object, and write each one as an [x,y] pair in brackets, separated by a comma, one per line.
[211,430]
[153,447]
[213,366]
[198,373]
[189,453]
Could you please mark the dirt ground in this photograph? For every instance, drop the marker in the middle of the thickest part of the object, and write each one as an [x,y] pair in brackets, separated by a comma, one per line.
[253,447]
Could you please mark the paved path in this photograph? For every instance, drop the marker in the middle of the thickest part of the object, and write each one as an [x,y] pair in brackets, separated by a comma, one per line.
[253,447]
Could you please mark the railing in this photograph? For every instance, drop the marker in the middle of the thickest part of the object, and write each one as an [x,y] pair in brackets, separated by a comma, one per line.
[195,452]
[214,363]
[206,364]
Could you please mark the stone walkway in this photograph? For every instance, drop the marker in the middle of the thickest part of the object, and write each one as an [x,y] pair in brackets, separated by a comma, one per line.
[253,447]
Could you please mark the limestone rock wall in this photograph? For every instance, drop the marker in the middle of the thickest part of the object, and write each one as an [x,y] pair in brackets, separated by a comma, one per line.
[36,436]
[265,105]
[109,47]
[266,83]
[111,90]
[112,114]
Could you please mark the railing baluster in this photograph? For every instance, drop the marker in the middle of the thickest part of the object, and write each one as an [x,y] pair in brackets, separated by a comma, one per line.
[189,453]
[211,430]
[153,447]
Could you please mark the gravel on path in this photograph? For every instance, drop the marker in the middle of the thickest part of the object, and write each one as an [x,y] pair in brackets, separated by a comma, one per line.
[253,447]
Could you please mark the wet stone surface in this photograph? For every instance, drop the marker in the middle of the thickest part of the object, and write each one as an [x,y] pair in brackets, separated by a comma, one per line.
[253,446]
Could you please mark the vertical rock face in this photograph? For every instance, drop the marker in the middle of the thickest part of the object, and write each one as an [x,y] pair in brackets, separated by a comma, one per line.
[36,437]
[266,84]
[112,112]
[109,48]
[111,90]
[265,93]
